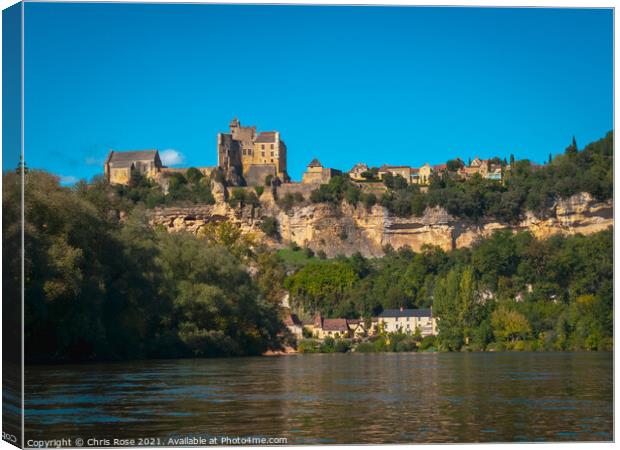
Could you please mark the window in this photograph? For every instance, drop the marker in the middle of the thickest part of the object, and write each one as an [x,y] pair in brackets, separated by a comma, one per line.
[271,153]
[271,146]
[271,159]
[243,152]
[262,154]
[262,146]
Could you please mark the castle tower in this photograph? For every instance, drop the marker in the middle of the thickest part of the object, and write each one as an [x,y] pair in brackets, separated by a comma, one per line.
[234,127]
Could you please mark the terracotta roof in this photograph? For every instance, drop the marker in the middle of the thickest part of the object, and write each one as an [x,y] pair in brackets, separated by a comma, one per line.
[359,166]
[476,162]
[315,163]
[439,167]
[291,319]
[266,136]
[415,170]
[335,325]
[388,167]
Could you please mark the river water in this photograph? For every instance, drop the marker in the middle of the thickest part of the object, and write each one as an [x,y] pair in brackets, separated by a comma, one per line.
[341,398]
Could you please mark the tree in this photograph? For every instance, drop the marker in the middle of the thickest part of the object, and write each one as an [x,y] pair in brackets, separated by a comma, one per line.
[509,325]
[214,300]
[447,308]
[269,226]
[193,175]
[572,148]
[369,175]
[454,165]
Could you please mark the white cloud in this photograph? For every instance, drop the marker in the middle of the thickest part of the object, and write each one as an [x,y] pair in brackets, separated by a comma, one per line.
[171,157]
[92,161]
[68,179]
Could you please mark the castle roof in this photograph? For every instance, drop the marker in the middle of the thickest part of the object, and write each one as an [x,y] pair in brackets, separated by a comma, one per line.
[121,164]
[117,157]
[266,137]
[315,163]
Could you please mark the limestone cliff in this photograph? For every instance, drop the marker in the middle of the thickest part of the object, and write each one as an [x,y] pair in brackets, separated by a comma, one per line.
[345,229]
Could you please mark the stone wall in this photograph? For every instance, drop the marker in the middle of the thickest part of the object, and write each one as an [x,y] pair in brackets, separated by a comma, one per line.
[292,188]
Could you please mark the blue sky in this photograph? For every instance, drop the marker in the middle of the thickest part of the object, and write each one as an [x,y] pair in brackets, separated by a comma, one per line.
[397,85]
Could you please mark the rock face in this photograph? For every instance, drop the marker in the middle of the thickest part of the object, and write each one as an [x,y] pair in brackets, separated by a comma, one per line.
[345,229]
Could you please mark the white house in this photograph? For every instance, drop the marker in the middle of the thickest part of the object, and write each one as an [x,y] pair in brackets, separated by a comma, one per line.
[407,320]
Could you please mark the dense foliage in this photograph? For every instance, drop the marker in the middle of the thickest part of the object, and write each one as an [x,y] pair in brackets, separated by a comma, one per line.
[508,291]
[526,186]
[191,188]
[101,288]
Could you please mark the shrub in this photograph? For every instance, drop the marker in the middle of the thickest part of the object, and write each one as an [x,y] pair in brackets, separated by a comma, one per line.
[342,345]
[365,347]
[308,346]
[407,344]
[306,333]
[370,200]
[241,197]
[259,190]
[269,226]
[193,175]
[428,342]
[289,200]
[328,345]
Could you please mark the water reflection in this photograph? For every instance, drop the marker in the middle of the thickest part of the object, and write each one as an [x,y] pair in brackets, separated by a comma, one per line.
[350,398]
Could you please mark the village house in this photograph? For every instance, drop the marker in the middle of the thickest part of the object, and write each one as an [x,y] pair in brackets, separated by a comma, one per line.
[356,172]
[317,174]
[440,168]
[408,320]
[357,328]
[483,168]
[294,325]
[335,328]
[118,166]
[424,175]
[403,171]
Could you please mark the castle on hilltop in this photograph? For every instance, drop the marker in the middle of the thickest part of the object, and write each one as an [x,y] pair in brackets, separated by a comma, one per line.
[244,156]
[248,157]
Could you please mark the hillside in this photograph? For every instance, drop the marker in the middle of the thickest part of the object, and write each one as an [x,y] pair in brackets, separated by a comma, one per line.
[570,194]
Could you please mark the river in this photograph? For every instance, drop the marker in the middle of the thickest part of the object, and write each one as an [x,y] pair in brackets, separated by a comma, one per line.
[330,398]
